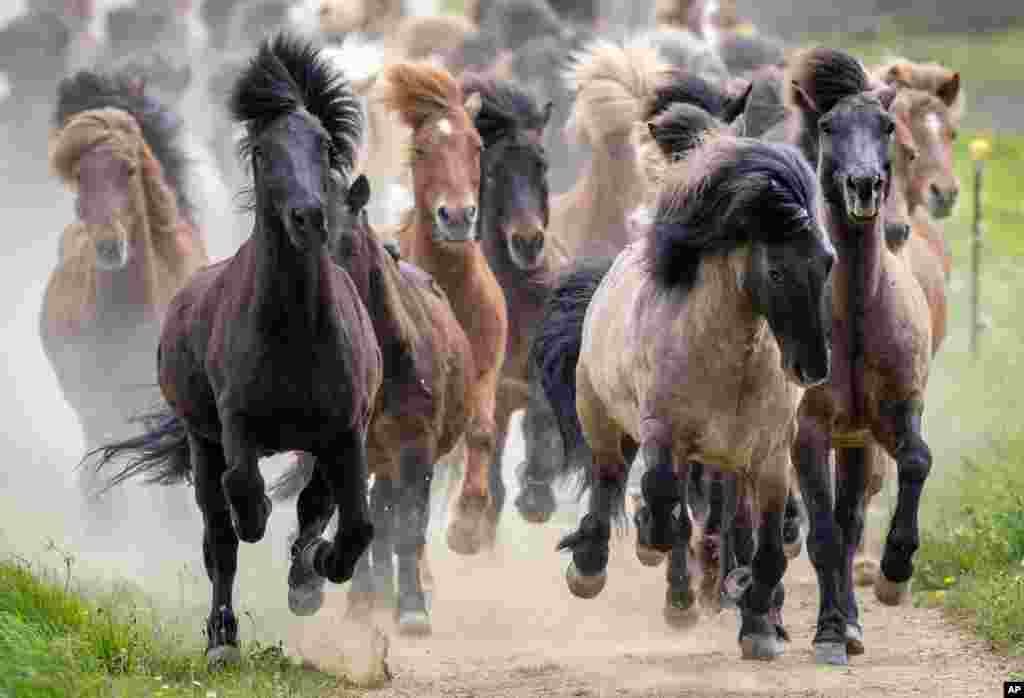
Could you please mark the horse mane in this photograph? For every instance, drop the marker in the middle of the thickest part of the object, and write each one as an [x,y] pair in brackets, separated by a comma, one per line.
[289,74]
[827,76]
[680,128]
[933,78]
[161,126]
[505,107]
[686,88]
[612,83]
[714,201]
[420,92]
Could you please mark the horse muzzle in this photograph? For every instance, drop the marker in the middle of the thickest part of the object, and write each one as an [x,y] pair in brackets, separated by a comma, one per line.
[864,195]
[526,246]
[306,227]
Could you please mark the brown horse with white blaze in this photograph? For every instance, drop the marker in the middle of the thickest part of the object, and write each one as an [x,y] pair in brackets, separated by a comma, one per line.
[441,236]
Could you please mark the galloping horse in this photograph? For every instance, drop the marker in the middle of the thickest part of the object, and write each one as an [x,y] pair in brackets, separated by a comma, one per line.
[513,231]
[134,246]
[421,411]
[879,367]
[695,345]
[441,236]
[272,350]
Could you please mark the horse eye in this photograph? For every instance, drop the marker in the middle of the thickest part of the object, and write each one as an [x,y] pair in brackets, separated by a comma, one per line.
[776,276]
[890,128]
[953,134]
[826,128]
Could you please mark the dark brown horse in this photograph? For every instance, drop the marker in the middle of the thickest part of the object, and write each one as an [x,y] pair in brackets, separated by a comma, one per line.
[513,224]
[879,366]
[421,412]
[134,245]
[441,235]
[272,350]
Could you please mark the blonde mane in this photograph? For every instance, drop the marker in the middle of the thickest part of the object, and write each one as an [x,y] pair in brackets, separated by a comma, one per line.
[153,223]
[612,83]
[926,77]
[420,92]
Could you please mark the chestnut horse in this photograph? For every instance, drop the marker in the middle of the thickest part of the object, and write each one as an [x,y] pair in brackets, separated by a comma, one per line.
[695,345]
[879,367]
[421,412]
[513,224]
[135,244]
[441,236]
[272,350]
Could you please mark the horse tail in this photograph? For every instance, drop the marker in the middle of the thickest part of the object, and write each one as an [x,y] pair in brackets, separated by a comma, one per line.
[163,456]
[555,351]
[294,479]
[613,84]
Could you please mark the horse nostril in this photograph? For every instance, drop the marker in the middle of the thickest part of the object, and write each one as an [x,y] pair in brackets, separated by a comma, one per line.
[878,183]
[471,214]
[442,213]
[851,182]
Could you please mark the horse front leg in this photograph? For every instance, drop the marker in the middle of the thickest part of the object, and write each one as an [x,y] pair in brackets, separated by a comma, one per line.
[412,517]
[345,471]
[496,482]
[243,483]
[792,526]
[681,609]
[865,565]
[913,462]
[314,509]
[824,545]
[220,550]
[473,524]
[544,450]
[761,632]
[851,481]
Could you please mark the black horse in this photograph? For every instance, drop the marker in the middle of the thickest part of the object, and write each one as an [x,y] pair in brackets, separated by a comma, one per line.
[272,350]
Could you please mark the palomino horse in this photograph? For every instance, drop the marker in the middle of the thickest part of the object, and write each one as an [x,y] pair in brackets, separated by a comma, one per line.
[441,236]
[421,411]
[513,231]
[933,78]
[612,83]
[695,345]
[879,367]
[272,350]
[922,155]
[135,244]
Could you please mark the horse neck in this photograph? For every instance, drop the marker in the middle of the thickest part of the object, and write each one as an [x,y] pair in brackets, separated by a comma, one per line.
[721,307]
[613,184]
[287,284]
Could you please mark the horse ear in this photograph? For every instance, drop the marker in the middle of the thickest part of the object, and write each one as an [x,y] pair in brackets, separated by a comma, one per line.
[362,87]
[736,106]
[886,95]
[899,73]
[804,100]
[653,129]
[358,194]
[546,117]
[949,90]
[473,104]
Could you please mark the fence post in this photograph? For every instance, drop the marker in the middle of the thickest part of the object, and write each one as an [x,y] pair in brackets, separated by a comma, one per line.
[980,149]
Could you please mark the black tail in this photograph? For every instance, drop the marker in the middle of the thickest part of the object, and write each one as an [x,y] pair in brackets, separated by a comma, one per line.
[292,482]
[555,352]
[162,453]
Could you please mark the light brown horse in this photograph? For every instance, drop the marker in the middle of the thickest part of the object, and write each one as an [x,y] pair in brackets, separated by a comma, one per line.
[613,84]
[120,264]
[441,236]
[934,78]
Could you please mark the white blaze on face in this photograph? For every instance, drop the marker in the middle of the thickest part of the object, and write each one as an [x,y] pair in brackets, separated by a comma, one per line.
[444,127]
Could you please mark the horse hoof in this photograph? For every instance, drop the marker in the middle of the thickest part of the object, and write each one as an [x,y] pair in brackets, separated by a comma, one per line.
[735,585]
[648,556]
[865,572]
[584,586]
[223,656]
[536,504]
[253,529]
[762,647]
[793,547]
[415,623]
[681,618]
[891,593]
[831,653]
[306,600]
[463,539]
[854,639]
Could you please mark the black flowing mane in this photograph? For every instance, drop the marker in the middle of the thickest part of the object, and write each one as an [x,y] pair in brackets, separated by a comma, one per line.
[728,192]
[161,126]
[680,127]
[683,87]
[506,107]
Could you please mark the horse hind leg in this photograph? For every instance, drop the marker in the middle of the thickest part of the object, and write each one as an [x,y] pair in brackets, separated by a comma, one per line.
[220,551]
[413,516]
[865,565]
[913,463]
[544,449]
[314,508]
[248,502]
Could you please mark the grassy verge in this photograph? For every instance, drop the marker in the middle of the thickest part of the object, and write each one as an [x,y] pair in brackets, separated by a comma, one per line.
[59,642]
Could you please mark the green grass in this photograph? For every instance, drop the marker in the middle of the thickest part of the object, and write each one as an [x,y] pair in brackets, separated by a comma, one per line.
[57,641]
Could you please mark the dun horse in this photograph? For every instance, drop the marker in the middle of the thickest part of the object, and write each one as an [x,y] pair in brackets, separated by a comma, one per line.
[513,224]
[880,367]
[272,350]
[421,412]
[135,244]
[695,345]
[441,236]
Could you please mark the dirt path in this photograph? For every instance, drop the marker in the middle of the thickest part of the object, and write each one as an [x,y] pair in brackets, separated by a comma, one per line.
[505,625]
